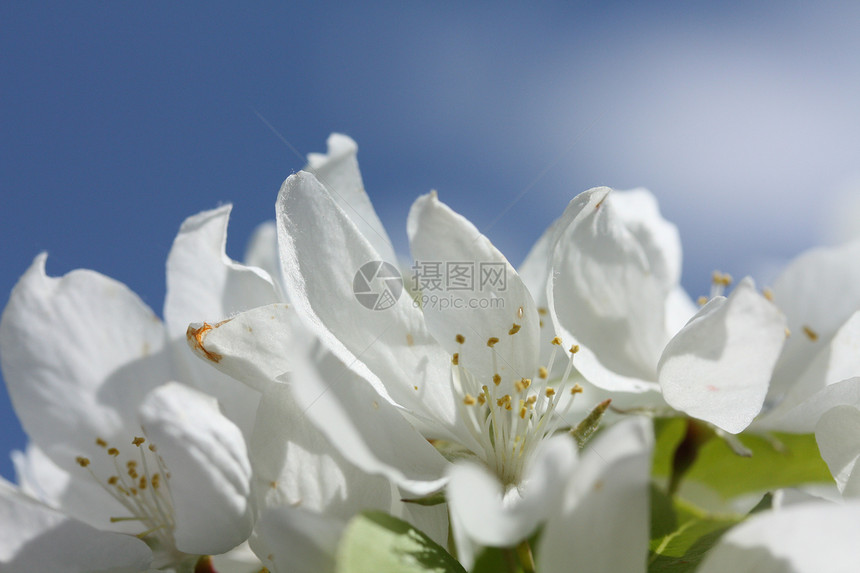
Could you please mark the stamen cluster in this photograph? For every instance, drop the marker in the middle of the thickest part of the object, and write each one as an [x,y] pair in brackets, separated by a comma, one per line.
[141,486]
[510,415]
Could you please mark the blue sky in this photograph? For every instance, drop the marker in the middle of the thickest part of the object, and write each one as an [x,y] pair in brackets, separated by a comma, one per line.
[119,120]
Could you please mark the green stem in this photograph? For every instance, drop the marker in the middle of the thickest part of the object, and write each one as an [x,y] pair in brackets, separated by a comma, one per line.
[524,552]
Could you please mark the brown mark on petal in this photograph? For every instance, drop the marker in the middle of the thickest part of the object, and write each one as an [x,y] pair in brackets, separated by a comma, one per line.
[811,334]
[195,338]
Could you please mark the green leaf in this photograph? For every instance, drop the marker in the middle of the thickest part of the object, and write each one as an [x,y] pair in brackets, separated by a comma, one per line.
[783,460]
[375,542]
[497,560]
[681,534]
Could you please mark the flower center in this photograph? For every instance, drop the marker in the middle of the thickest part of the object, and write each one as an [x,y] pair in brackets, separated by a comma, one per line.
[141,485]
[510,416]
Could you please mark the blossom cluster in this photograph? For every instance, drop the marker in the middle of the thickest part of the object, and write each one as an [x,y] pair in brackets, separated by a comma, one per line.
[325,407]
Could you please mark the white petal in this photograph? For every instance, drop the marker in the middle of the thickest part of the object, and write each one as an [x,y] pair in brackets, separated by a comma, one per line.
[254,347]
[37,538]
[806,538]
[680,308]
[78,354]
[295,465]
[817,291]
[321,252]
[74,493]
[266,342]
[292,540]
[836,360]
[203,283]
[605,292]
[262,252]
[338,172]
[838,437]
[604,523]
[717,368]
[366,429]
[802,418]
[210,473]
[491,516]
[534,273]
[438,234]
[658,237]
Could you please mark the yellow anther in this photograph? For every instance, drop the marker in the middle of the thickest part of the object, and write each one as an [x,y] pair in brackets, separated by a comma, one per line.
[811,334]
[460,339]
[82,461]
[156,481]
[523,413]
[152,447]
[455,359]
[542,373]
[132,473]
[721,279]
[514,329]
[101,443]
[574,349]
[138,441]
[550,392]
[497,379]
[131,463]
[469,400]
[542,311]
[482,399]
[112,480]
[492,341]
[540,323]
[142,483]
[113,452]
[556,341]
[702,300]
[767,293]
[577,389]
[531,400]
[133,491]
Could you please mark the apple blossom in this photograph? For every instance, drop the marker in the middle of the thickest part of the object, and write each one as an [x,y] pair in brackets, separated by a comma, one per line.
[610,268]
[86,364]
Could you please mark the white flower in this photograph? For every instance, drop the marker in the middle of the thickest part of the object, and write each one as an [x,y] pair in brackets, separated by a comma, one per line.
[474,377]
[610,268]
[86,364]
